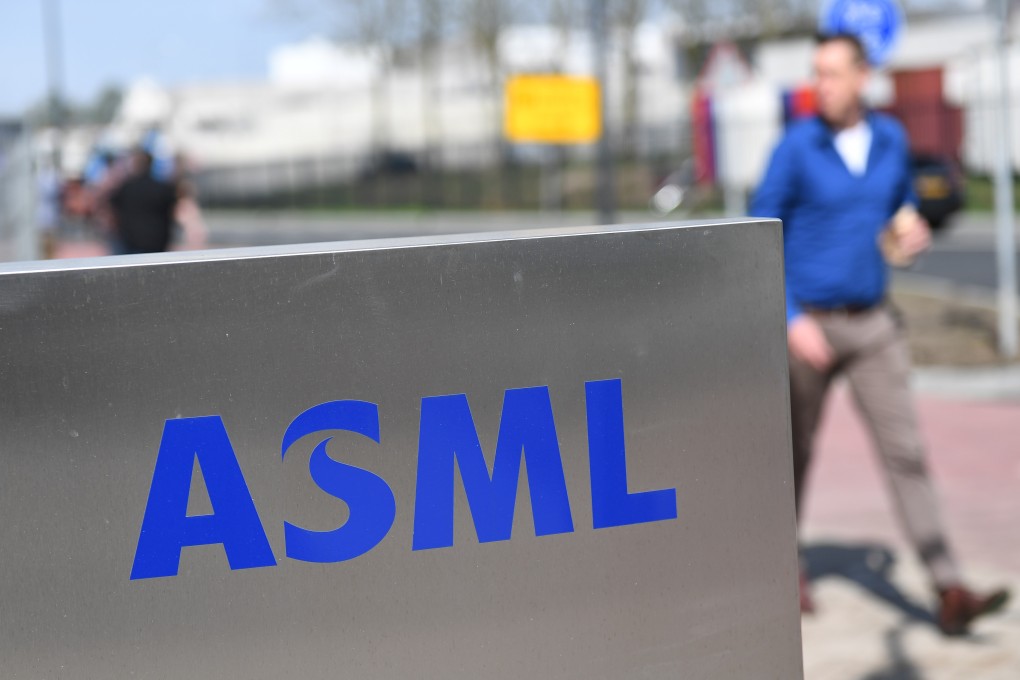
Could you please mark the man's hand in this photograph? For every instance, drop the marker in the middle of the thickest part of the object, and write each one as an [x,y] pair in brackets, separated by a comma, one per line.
[915,238]
[906,237]
[808,344]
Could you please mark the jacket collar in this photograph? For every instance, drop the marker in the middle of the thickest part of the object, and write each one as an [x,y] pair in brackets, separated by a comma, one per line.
[824,134]
[880,139]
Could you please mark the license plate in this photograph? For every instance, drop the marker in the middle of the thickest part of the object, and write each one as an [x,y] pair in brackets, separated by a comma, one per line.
[932,187]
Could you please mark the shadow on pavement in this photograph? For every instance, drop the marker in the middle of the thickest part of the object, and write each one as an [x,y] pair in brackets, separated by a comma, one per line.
[868,565]
[900,667]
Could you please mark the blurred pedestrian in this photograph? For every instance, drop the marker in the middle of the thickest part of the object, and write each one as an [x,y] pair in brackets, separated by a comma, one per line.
[143,209]
[837,180]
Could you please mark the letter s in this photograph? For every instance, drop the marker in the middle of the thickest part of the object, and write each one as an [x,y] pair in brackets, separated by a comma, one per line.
[368,496]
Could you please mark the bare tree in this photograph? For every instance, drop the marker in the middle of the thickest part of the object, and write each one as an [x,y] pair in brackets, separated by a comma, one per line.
[706,20]
[483,22]
[433,23]
[626,17]
[564,16]
[382,28]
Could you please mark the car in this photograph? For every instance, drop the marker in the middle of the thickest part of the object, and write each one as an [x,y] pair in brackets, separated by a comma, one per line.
[939,186]
[391,164]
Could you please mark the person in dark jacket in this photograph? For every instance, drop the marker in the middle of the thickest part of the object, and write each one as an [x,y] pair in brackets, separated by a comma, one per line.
[143,210]
[836,181]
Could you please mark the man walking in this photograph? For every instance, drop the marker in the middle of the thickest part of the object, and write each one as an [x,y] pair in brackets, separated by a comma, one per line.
[836,180]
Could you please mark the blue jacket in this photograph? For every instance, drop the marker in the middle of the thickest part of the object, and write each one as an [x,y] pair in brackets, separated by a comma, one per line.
[831,218]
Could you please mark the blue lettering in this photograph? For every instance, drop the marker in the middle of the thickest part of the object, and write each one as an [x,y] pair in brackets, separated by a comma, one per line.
[447,441]
[447,434]
[368,496]
[611,504]
[166,526]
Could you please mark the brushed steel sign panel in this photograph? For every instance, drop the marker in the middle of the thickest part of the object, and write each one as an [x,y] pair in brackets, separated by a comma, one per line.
[612,400]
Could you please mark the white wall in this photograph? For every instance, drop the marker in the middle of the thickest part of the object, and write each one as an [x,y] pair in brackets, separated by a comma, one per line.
[748,121]
[973,81]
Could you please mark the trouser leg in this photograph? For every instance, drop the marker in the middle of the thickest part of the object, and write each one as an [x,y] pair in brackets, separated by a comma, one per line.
[807,395]
[879,375]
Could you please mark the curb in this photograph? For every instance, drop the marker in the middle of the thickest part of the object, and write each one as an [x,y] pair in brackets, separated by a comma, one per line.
[972,384]
[937,287]
[984,383]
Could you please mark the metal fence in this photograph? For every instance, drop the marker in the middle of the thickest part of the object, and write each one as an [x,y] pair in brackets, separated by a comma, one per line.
[497,175]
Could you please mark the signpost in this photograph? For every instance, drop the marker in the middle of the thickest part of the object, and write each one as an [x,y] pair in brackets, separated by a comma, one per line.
[552,109]
[877,23]
[557,109]
[605,195]
[1005,236]
[550,454]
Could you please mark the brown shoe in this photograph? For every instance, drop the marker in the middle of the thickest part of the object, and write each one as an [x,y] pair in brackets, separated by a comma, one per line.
[807,605]
[960,606]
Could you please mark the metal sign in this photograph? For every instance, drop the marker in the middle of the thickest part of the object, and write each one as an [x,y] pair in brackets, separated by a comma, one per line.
[877,23]
[552,109]
[545,454]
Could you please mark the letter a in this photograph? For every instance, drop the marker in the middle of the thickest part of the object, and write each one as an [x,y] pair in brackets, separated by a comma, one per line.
[166,527]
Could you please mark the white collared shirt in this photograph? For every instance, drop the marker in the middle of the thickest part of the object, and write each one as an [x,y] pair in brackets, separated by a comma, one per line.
[853,145]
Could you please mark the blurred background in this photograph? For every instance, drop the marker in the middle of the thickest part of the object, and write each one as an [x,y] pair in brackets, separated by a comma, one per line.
[317,120]
[334,105]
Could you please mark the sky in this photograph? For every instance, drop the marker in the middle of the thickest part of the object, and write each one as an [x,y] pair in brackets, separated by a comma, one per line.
[118,41]
[114,42]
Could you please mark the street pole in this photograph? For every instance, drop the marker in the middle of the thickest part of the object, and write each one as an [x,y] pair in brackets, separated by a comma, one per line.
[1005,235]
[605,193]
[53,37]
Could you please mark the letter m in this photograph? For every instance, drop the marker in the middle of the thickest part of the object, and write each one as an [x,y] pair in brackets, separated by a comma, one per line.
[447,437]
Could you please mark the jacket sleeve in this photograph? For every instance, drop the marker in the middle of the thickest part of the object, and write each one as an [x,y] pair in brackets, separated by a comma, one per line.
[775,197]
[906,193]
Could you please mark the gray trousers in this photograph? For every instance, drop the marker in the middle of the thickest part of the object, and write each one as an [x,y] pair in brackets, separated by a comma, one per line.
[872,352]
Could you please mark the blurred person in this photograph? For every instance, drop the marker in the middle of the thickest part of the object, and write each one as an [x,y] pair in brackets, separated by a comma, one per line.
[188,214]
[836,180]
[104,171]
[143,209]
[98,165]
[164,162]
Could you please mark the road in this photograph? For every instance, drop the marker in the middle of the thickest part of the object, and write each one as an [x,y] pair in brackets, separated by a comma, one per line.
[963,254]
[272,228]
[961,257]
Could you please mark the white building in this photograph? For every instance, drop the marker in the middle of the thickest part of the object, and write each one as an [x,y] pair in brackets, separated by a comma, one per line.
[323,100]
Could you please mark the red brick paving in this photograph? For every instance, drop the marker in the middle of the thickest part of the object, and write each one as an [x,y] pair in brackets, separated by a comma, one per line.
[974,450]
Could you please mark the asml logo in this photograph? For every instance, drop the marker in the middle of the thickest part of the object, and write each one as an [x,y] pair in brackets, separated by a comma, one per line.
[447,438]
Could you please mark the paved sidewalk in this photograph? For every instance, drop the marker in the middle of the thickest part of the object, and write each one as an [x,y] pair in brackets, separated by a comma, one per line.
[874,619]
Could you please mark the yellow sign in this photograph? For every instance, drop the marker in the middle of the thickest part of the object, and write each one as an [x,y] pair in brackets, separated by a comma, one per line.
[552,109]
